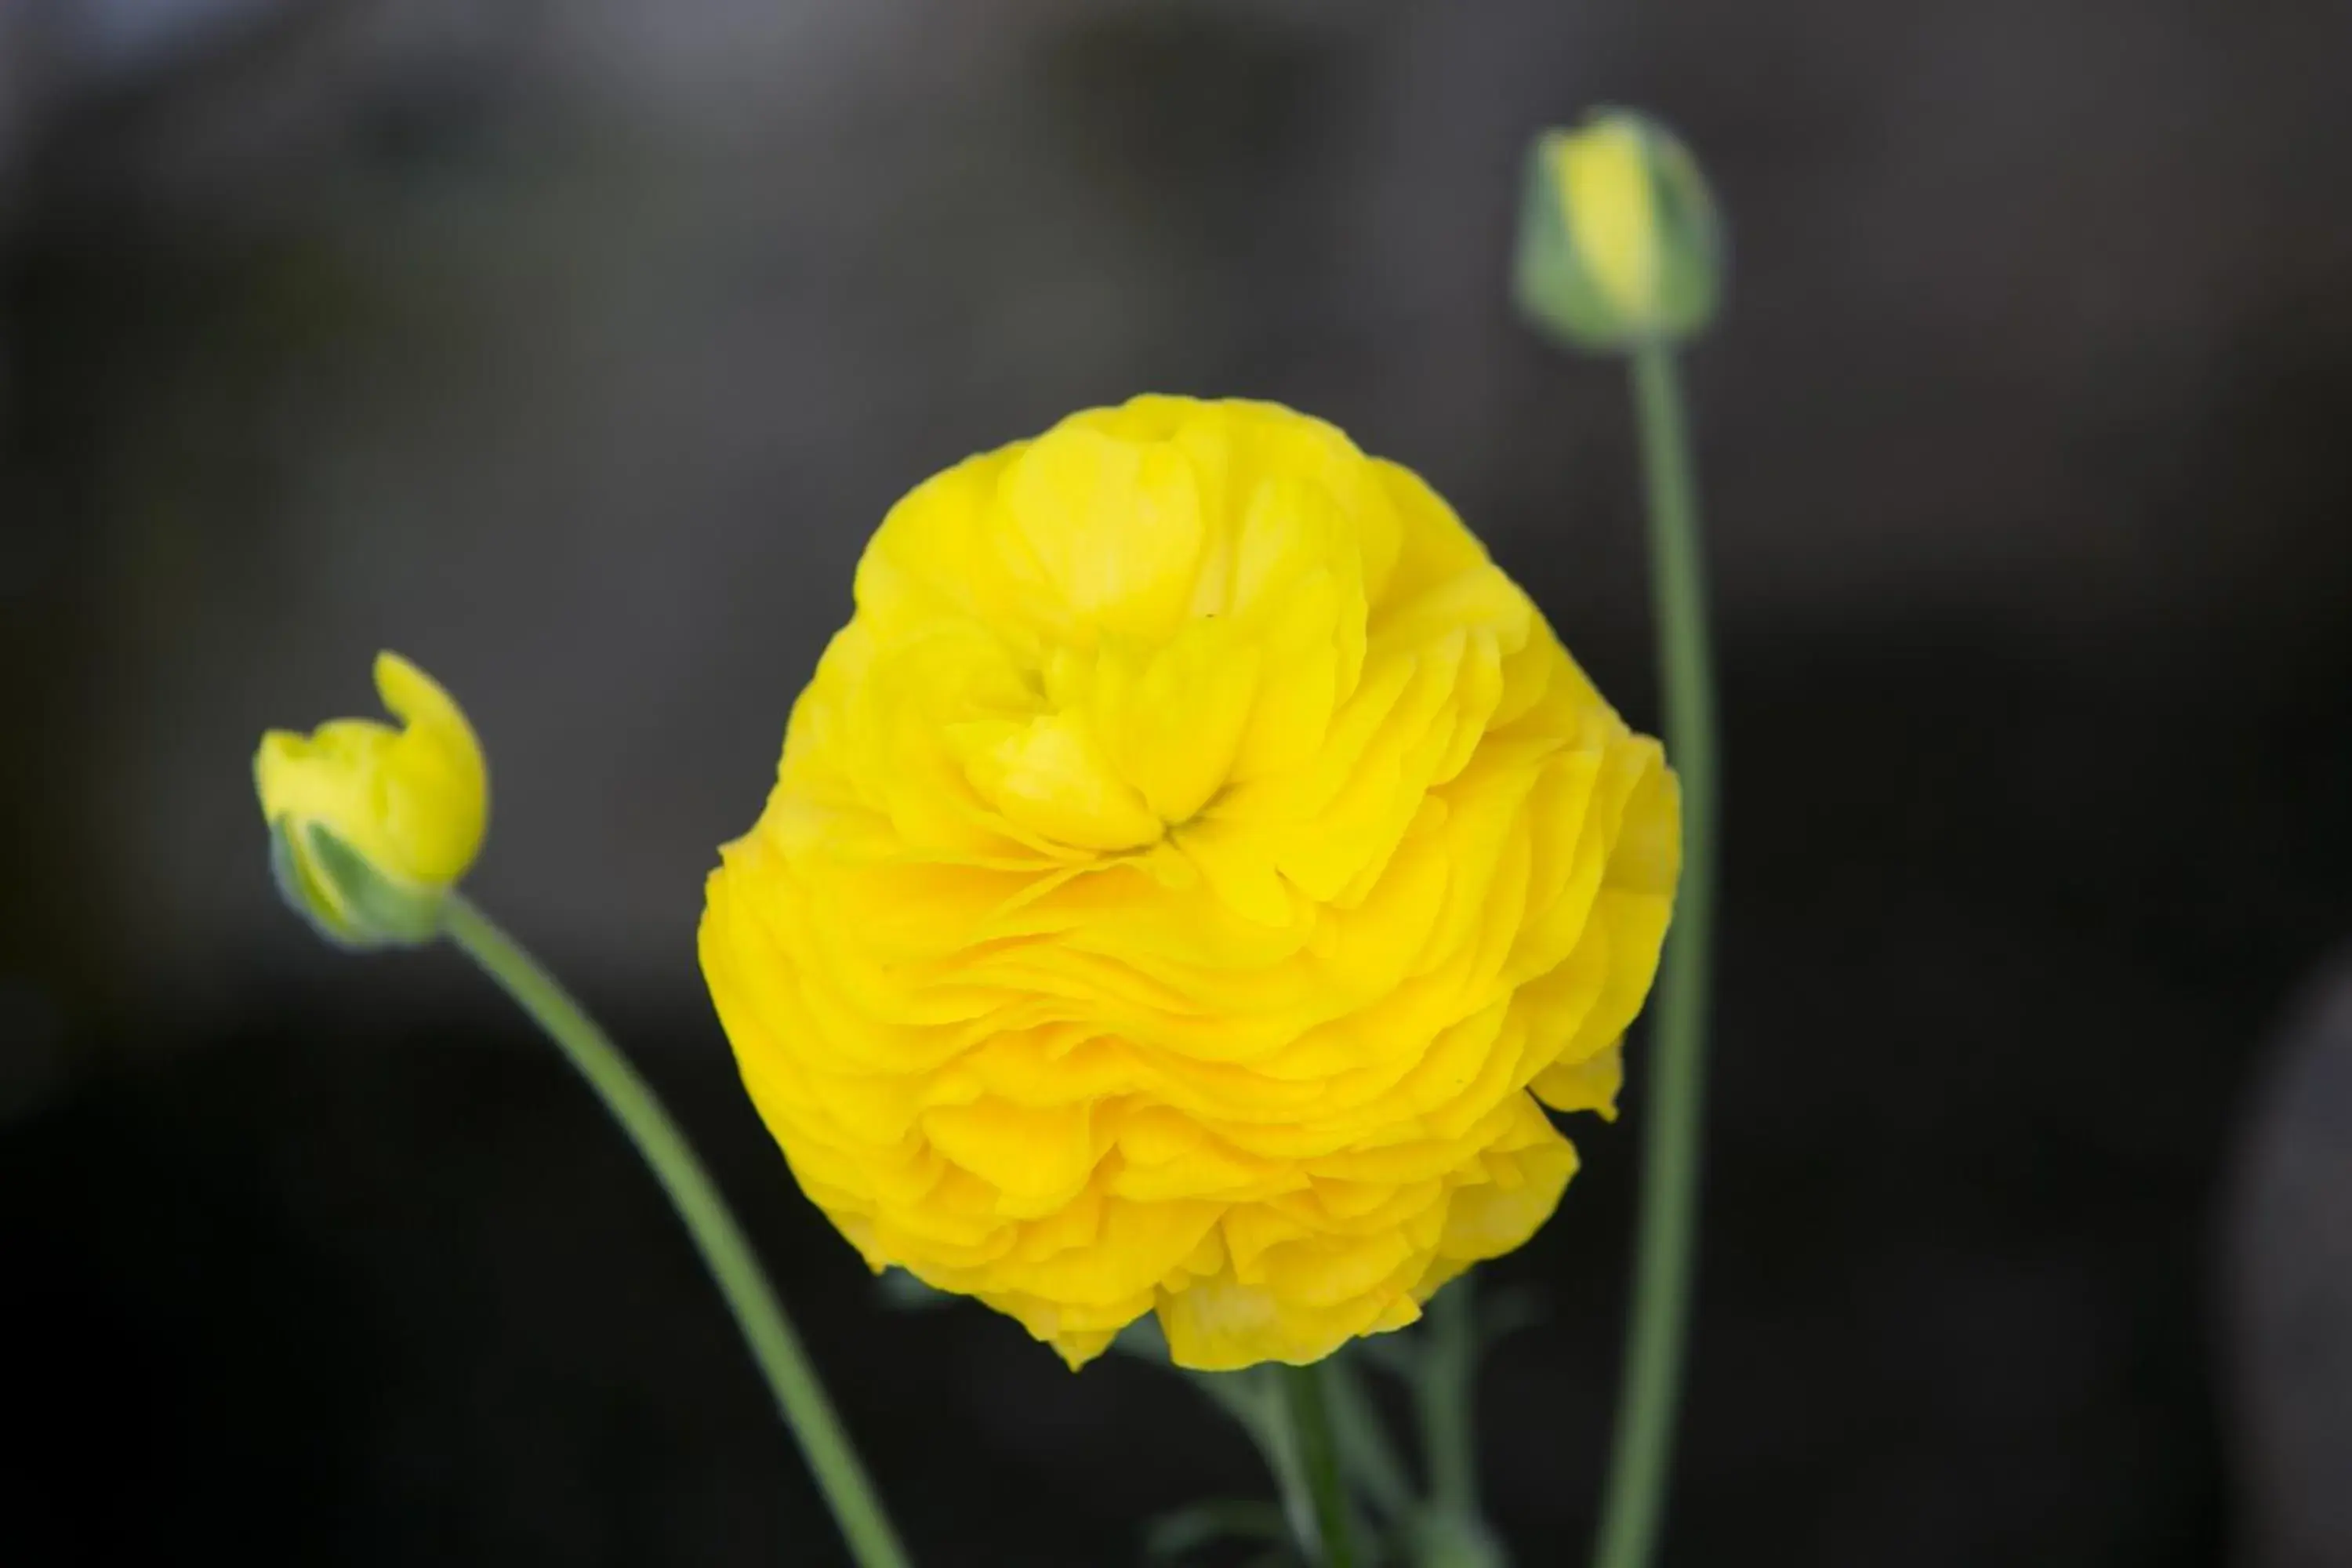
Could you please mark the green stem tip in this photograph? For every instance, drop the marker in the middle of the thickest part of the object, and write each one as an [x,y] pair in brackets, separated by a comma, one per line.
[716,1235]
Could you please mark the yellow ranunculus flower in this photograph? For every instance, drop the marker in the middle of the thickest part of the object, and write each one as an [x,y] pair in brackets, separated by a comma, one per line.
[1185,873]
[372,824]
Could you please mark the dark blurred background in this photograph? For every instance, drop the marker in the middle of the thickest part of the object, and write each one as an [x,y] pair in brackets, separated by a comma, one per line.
[573,347]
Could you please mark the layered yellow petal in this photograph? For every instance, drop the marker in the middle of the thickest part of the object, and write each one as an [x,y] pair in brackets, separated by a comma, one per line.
[1184,875]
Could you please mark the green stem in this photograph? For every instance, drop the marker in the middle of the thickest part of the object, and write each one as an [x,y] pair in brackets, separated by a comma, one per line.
[1318,1455]
[707,1220]
[1367,1458]
[1634,1503]
[1444,1392]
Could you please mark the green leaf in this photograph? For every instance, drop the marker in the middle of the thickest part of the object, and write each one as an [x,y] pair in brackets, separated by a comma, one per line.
[1447,1539]
[1199,1524]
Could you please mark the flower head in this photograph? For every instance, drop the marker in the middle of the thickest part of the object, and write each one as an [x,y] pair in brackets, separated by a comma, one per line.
[370,824]
[1185,874]
[1618,238]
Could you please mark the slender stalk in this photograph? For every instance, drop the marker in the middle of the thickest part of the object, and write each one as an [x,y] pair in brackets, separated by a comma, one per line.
[707,1220]
[1318,1454]
[1634,1505]
[1367,1458]
[1444,1392]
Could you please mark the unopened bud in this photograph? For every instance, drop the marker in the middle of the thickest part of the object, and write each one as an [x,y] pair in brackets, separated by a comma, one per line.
[1619,244]
[370,827]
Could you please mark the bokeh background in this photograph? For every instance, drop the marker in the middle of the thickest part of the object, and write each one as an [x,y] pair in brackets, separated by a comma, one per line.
[574,346]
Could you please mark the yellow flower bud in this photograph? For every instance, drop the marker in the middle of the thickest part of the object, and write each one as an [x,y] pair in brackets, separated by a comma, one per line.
[1618,240]
[371,825]
[1185,875]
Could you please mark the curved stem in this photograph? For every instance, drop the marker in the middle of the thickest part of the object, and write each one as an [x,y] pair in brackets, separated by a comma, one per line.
[733,1266]
[1318,1455]
[1635,1499]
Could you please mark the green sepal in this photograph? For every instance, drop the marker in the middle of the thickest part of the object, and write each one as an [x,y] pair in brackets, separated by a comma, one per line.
[346,899]
[1552,287]
[1196,1526]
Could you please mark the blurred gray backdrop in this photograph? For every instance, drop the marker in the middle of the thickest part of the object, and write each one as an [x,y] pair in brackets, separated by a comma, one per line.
[573,347]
